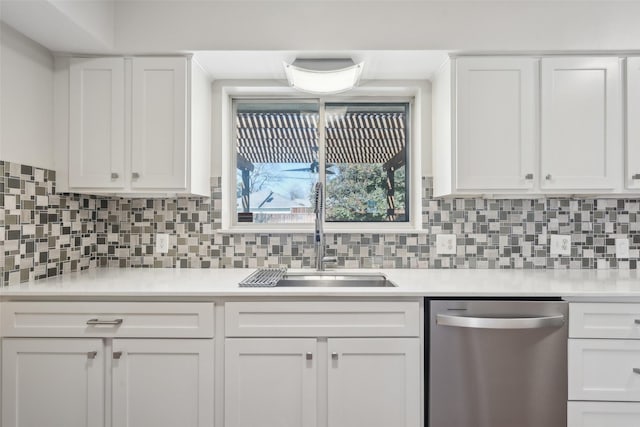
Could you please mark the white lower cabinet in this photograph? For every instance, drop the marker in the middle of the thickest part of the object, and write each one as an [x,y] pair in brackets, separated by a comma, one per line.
[323,363]
[373,382]
[162,382]
[108,364]
[278,382]
[604,365]
[53,382]
[61,382]
[607,370]
[603,414]
[271,382]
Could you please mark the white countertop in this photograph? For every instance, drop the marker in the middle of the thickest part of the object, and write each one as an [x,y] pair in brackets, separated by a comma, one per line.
[153,283]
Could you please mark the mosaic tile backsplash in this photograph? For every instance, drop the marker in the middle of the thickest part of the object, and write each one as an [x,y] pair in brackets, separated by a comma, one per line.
[42,234]
[46,234]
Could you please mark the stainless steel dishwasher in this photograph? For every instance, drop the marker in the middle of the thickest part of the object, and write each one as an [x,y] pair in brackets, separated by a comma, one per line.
[499,363]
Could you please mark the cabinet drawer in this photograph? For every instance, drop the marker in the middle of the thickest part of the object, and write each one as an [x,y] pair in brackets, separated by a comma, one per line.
[322,318]
[603,414]
[107,319]
[604,370]
[604,320]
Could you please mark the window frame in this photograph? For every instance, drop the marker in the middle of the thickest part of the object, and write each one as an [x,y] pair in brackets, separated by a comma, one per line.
[384,95]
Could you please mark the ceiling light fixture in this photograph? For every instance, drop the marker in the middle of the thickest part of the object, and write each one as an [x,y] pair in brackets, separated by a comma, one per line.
[323,75]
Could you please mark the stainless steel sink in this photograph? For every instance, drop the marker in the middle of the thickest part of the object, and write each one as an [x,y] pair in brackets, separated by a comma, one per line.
[333,279]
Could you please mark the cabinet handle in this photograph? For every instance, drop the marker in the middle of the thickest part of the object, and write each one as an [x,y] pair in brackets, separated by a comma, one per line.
[114,175]
[334,356]
[528,176]
[637,321]
[635,176]
[309,356]
[548,177]
[92,354]
[117,355]
[636,370]
[104,322]
[135,175]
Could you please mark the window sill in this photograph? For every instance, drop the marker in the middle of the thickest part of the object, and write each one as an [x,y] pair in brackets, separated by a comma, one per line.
[327,230]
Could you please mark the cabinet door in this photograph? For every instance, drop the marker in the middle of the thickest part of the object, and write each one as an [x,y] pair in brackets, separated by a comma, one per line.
[96,123]
[374,382]
[270,382]
[632,177]
[52,382]
[158,123]
[581,123]
[603,414]
[496,122]
[604,370]
[162,383]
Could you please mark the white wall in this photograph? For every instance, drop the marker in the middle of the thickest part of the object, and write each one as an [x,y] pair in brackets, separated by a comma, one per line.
[160,26]
[26,92]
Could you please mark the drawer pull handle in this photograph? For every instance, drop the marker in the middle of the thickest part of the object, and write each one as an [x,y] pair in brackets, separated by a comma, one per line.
[334,356]
[528,176]
[548,177]
[637,321]
[117,355]
[104,322]
[309,356]
[636,176]
[114,175]
[636,370]
[92,354]
[135,175]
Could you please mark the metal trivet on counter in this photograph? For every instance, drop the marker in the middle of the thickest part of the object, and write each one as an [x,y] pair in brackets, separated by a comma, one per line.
[264,277]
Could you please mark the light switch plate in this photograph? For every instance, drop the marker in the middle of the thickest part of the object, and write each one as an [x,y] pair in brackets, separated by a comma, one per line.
[561,244]
[162,243]
[445,244]
[622,248]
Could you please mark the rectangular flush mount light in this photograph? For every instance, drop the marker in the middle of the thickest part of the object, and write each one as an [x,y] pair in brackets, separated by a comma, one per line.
[323,75]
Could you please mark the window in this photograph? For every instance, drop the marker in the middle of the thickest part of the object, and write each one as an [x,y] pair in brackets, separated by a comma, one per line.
[360,150]
[366,155]
[277,161]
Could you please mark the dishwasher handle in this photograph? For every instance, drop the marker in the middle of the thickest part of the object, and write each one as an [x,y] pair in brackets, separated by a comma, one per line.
[500,322]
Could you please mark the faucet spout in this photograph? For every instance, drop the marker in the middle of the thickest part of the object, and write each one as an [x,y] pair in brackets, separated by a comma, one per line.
[319,239]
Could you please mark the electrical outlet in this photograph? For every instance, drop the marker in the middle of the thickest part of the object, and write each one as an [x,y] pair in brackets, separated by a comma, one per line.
[162,243]
[622,248]
[445,244]
[561,244]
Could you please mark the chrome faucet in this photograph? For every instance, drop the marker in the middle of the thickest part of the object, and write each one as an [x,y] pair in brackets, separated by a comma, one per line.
[319,239]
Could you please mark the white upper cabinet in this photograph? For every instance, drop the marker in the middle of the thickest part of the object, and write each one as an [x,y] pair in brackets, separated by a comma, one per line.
[495,123]
[581,123]
[96,123]
[632,174]
[138,125]
[509,126]
[158,123]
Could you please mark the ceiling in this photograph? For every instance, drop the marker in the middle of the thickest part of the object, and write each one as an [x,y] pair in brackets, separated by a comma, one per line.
[89,28]
[396,39]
